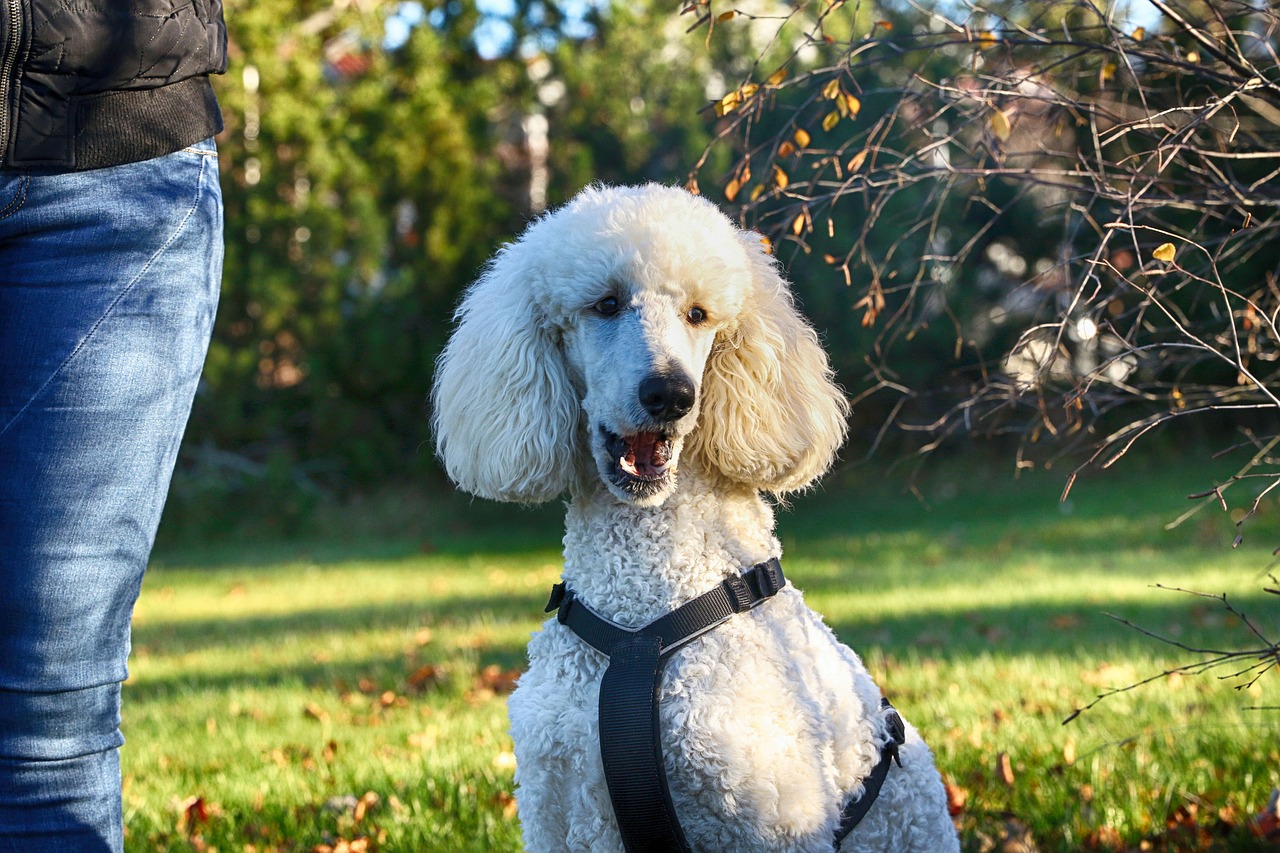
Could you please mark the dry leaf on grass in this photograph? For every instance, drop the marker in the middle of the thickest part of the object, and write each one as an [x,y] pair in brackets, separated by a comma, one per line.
[1004,769]
[956,798]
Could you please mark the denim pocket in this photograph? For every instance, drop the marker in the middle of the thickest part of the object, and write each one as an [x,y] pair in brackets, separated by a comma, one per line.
[13,192]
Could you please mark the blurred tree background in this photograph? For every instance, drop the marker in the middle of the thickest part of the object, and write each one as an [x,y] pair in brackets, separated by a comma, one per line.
[375,154]
[1050,222]
[967,197]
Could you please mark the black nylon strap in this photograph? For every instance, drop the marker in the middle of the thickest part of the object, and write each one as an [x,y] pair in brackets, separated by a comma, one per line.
[631,746]
[857,809]
[687,622]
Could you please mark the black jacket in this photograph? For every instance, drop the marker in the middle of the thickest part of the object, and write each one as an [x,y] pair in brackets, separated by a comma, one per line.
[96,83]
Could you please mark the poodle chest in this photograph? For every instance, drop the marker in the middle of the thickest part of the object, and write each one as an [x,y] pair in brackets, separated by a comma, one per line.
[630,736]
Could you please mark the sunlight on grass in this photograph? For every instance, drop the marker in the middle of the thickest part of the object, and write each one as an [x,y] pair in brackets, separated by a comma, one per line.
[321,694]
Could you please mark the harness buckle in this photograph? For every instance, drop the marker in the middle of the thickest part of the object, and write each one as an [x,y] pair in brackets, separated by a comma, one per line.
[740,598]
[896,728]
[557,595]
[561,601]
[769,574]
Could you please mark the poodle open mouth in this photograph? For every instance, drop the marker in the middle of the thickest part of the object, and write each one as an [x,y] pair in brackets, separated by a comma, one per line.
[639,464]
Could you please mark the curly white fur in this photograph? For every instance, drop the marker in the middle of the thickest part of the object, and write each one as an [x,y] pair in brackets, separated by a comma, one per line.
[770,724]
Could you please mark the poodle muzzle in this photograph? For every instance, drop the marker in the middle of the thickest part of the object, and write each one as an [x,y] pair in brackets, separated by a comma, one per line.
[640,464]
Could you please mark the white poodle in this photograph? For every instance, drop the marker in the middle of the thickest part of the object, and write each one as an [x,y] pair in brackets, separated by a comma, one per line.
[639,352]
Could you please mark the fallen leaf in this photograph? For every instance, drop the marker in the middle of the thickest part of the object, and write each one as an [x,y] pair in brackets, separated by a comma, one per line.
[508,804]
[367,801]
[427,675]
[956,798]
[1004,769]
[193,813]
[497,679]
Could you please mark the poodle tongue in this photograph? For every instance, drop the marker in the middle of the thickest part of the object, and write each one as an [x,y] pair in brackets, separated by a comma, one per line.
[647,455]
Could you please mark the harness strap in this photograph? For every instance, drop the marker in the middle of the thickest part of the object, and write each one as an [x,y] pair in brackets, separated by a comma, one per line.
[735,594]
[857,809]
[630,738]
[631,746]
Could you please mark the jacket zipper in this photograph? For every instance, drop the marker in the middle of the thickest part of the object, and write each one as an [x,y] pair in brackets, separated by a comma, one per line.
[10,42]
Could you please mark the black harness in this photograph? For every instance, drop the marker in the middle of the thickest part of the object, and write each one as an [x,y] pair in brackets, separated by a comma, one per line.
[630,743]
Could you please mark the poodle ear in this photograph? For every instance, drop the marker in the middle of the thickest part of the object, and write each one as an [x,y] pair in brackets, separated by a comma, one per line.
[772,416]
[505,412]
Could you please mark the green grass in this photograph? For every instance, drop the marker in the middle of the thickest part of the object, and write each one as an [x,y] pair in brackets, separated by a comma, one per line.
[280,682]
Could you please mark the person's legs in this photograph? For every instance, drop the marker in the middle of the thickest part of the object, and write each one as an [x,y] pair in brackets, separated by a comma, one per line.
[108,285]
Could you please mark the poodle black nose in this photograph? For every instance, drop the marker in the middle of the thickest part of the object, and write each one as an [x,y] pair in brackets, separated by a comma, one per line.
[667,396]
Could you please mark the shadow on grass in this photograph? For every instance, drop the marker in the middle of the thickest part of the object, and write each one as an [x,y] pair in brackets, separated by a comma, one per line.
[1069,633]
[312,626]
[844,540]
[389,526]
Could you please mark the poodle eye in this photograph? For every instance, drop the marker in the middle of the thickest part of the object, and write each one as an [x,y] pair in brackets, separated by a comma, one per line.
[607,307]
[697,315]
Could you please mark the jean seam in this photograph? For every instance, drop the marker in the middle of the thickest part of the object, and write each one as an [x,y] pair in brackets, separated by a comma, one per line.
[195,204]
[19,200]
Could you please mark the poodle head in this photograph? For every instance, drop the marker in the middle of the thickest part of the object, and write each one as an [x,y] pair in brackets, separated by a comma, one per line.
[629,330]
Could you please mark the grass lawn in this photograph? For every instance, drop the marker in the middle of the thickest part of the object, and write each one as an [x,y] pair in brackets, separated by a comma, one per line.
[347,691]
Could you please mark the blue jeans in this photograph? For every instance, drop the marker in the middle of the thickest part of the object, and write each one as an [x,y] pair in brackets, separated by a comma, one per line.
[108,285]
